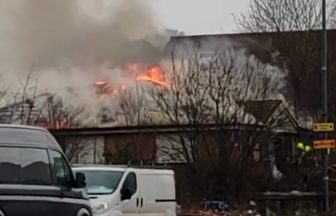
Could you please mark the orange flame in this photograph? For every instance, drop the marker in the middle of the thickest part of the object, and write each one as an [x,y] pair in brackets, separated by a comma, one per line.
[137,72]
[154,75]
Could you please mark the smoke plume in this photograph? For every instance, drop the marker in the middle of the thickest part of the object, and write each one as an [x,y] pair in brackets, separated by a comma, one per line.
[61,34]
[72,43]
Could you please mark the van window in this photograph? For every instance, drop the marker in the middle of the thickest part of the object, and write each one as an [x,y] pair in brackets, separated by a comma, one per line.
[101,182]
[61,170]
[131,182]
[24,166]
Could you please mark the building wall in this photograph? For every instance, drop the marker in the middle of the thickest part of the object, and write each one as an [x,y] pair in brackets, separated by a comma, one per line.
[130,148]
[83,149]
[164,148]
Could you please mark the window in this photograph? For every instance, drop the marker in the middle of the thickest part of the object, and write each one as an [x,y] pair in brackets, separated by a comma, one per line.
[100,182]
[24,166]
[61,170]
[130,182]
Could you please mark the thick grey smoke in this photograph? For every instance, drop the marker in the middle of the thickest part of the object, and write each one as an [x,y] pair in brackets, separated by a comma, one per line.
[72,42]
[47,32]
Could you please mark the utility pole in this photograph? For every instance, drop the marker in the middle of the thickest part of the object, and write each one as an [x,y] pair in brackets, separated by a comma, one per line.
[325,102]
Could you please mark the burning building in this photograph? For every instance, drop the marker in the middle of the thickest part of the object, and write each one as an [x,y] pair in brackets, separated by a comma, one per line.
[140,65]
[105,93]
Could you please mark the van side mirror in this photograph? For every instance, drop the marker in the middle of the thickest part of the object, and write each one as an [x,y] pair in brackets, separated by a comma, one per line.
[126,194]
[80,180]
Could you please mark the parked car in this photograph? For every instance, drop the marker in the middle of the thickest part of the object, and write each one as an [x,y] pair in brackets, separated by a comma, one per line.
[35,176]
[126,191]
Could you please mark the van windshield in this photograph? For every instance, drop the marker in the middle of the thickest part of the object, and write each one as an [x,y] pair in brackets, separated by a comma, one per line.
[29,166]
[101,182]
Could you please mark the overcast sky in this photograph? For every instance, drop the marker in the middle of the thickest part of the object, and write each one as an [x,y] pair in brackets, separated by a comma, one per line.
[200,16]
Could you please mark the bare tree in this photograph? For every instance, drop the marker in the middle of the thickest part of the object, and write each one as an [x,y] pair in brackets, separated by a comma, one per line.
[291,26]
[56,113]
[284,15]
[133,105]
[295,34]
[203,103]
[18,106]
[333,14]
[28,106]
[3,91]
[53,112]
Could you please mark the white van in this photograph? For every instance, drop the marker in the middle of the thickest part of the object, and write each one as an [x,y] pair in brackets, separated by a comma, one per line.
[130,191]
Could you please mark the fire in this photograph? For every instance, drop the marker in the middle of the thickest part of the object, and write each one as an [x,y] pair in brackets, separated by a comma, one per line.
[154,75]
[134,72]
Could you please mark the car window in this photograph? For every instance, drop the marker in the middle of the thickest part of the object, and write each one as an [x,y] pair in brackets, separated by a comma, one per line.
[24,166]
[61,170]
[101,182]
[131,182]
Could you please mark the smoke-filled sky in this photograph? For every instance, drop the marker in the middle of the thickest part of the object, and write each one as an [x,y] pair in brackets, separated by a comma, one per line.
[200,16]
[64,34]
[196,16]
[53,34]
[72,43]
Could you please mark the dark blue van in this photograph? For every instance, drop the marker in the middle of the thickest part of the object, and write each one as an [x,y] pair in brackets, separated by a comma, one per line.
[35,176]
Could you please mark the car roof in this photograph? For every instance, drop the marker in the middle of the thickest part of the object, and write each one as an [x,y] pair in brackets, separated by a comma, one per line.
[107,168]
[21,127]
[26,136]
[120,167]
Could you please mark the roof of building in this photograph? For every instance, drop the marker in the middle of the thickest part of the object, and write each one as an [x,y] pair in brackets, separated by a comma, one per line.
[259,44]
[261,109]
[149,129]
